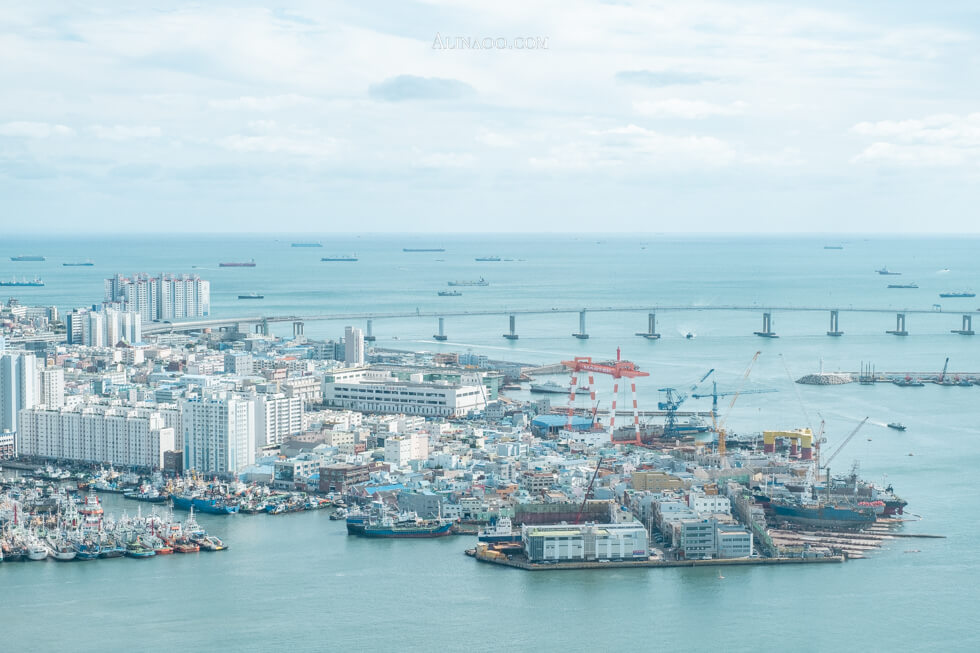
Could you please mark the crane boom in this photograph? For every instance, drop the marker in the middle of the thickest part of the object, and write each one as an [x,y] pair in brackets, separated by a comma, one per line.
[588,491]
[844,443]
[942,377]
[721,426]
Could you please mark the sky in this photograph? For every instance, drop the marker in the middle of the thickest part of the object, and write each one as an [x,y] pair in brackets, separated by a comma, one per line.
[505,116]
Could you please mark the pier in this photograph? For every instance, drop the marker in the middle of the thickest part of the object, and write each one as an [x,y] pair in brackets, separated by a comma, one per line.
[519,562]
[261,323]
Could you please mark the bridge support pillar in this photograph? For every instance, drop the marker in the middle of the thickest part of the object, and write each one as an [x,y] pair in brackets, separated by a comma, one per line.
[967,327]
[442,330]
[582,334]
[834,329]
[513,328]
[297,329]
[651,332]
[899,325]
[262,327]
[767,331]
[369,333]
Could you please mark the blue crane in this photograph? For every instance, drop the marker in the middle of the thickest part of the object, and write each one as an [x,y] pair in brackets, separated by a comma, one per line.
[672,401]
[714,394]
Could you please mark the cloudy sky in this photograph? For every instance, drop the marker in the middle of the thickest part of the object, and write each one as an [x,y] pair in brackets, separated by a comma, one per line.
[484,116]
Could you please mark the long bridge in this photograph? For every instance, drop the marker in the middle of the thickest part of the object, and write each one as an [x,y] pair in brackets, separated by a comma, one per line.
[260,323]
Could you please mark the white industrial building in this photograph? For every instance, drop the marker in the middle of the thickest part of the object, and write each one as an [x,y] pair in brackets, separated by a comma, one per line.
[585,542]
[95,433]
[377,392]
[219,434]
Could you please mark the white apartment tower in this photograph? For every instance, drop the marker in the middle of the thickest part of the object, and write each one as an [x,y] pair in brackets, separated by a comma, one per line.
[52,387]
[166,297]
[219,434]
[18,386]
[276,418]
[353,346]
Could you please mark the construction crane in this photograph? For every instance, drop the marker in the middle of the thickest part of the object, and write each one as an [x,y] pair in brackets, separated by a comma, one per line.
[843,444]
[720,426]
[715,394]
[942,377]
[588,491]
[672,402]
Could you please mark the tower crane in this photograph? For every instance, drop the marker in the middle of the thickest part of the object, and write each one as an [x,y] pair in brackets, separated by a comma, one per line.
[672,402]
[843,444]
[720,426]
[715,394]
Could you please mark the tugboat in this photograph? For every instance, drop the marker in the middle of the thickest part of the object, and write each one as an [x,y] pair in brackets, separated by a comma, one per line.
[898,426]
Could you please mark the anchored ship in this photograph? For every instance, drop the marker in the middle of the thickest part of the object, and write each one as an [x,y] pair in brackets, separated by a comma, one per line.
[307,245]
[958,294]
[23,283]
[78,264]
[252,295]
[423,249]
[245,264]
[903,285]
[27,257]
[886,271]
[340,259]
[480,282]
[549,387]
[450,293]
[405,525]
[491,259]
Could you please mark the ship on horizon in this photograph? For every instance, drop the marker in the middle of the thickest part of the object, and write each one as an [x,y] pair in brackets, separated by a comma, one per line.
[964,293]
[480,282]
[27,257]
[23,283]
[423,249]
[492,259]
[340,259]
[903,285]
[78,264]
[886,271]
[244,264]
[306,245]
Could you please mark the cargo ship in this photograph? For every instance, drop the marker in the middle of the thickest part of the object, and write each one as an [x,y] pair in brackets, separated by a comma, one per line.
[499,532]
[25,257]
[340,259]
[252,295]
[78,264]
[480,282]
[450,293]
[306,245]
[244,264]
[23,283]
[958,294]
[823,514]
[903,285]
[488,259]
[549,387]
[423,249]
[406,525]
[887,272]
[833,247]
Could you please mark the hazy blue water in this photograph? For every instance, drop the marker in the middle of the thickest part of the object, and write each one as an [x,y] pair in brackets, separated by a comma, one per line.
[297,581]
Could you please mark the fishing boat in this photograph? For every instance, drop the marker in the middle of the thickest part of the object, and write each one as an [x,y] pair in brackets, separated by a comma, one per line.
[898,426]
[137,549]
[92,505]
[112,549]
[36,551]
[404,525]
[214,505]
[87,550]
[60,549]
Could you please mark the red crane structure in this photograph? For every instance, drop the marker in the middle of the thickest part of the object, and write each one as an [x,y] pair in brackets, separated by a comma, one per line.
[618,369]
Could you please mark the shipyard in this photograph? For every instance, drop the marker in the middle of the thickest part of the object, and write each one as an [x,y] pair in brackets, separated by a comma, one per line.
[529,465]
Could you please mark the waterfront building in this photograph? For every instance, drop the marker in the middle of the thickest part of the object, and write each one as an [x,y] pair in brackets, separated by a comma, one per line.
[294,473]
[219,434]
[276,418]
[95,433]
[166,297]
[733,541]
[339,477]
[585,542]
[18,386]
[379,393]
[353,346]
[697,539]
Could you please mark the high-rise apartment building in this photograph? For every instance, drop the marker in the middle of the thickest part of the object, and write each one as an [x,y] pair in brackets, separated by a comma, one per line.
[219,434]
[18,386]
[353,346]
[166,297]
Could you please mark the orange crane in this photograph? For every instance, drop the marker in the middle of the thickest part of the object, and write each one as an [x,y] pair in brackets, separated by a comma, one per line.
[617,369]
[720,426]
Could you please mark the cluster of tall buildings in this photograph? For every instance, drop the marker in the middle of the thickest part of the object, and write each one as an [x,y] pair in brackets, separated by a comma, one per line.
[103,328]
[165,297]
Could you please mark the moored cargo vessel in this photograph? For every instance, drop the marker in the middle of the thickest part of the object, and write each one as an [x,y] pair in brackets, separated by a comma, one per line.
[405,525]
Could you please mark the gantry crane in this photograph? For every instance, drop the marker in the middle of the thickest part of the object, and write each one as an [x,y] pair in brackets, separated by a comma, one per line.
[672,402]
[617,369]
[715,394]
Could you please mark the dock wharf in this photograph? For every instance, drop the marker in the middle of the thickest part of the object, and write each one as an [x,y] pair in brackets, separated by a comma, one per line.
[522,563]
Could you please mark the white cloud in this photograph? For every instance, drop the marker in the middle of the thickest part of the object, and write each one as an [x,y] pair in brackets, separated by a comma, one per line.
[494,139]
[686,109]
[267,137]
[267,103]
[937,140]
[446,160]
[25,129]
[124,132]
